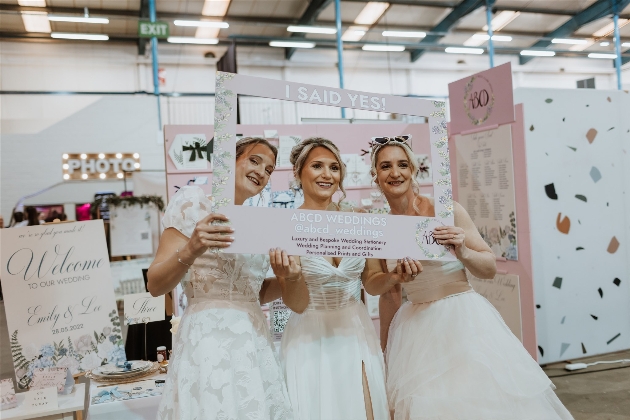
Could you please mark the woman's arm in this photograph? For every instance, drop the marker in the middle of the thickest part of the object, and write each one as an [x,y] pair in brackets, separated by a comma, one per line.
[388,305]
[270,290]
[169,265]
[376,281]
[289,275]
[470,248]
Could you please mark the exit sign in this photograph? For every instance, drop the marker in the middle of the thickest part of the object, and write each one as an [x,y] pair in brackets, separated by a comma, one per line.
[147,29]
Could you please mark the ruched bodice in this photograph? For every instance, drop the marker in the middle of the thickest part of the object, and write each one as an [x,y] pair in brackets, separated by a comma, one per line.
[437,280]
[214,275]
[332,287]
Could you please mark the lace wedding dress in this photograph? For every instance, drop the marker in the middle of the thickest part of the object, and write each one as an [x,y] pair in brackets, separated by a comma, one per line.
[450,356]
[224,366]
[326,349]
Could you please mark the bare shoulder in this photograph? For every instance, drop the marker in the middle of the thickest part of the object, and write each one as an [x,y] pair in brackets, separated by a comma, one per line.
[462,218]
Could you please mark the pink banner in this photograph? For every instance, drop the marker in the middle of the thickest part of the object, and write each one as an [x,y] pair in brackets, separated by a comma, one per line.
[482,100]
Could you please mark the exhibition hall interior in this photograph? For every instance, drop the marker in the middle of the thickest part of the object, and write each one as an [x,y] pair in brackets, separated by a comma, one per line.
[315,209]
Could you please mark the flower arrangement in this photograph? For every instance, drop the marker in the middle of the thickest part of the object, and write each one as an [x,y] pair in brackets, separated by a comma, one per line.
[79,355]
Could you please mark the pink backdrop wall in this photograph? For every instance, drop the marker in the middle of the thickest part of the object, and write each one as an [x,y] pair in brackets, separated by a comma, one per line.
[522,267]
[350,138]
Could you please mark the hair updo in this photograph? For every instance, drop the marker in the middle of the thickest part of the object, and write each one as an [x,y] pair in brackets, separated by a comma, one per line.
[245,143]
[300,153]
[413,163]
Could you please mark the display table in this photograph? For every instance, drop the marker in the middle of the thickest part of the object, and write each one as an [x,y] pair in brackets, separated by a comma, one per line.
[135,409]
[68,405]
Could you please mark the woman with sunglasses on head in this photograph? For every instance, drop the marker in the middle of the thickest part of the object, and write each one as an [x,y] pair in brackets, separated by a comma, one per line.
[449,354]
[223,366]
[330,353]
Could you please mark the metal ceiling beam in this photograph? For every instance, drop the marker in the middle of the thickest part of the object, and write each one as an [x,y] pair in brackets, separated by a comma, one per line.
[598,10]
[461,10]
[263,41]
[133,14]
[315,7]
[498,7]
[171,15]
[421,3]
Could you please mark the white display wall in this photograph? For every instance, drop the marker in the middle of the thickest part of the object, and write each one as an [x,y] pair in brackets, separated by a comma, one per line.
[578,159]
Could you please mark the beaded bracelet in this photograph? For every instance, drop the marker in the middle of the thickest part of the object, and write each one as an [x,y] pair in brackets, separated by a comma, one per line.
[180,261]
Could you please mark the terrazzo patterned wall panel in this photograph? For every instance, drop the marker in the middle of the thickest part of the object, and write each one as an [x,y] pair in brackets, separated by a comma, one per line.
[578,145]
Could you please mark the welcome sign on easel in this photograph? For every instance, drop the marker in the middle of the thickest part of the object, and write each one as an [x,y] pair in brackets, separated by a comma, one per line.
[60,303]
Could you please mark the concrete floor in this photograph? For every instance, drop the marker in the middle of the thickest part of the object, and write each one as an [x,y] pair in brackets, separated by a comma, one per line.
[594,393]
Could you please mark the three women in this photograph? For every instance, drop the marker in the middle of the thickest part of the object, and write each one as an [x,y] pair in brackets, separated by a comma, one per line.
[449,354]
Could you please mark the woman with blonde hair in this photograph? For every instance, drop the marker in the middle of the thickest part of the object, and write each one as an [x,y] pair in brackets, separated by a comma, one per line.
[449,354]
[224,366]
[330,353]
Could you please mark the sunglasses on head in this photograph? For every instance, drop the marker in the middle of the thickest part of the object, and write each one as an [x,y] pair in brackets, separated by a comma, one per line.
[379,141]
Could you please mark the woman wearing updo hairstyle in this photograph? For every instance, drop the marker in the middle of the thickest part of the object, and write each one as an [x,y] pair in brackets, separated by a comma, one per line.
[223,365]
[332,361]
[449,354]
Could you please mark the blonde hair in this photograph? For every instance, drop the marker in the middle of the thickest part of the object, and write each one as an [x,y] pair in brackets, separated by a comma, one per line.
[413,164]
[244,143]
[300,153]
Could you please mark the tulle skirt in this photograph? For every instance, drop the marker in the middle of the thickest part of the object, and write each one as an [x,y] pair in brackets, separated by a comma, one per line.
[455,359]
[323,355]
[224,366]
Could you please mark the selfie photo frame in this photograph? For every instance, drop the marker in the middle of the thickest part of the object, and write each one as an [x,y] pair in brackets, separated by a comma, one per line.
[328,233]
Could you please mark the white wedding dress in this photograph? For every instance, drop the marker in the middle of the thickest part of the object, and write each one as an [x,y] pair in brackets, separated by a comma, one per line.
[223,365]
[450,356]
[326,348]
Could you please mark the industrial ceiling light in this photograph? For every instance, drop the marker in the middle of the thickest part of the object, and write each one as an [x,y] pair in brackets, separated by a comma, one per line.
[191,40]
[501,20]
[312,29]
[87,37]
[604,44]
[215,8]
[291,44]
[202,23]
[379,47]
[462,50]
[499,38]
[626,44]
[405,34]
[537,53]
[602,55]
[569,41]
[78,19]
